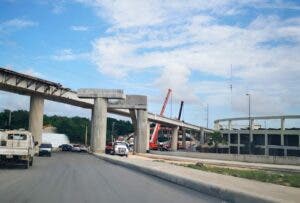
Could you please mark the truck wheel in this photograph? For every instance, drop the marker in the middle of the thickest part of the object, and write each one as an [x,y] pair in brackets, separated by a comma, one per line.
[31,162]
[27,163]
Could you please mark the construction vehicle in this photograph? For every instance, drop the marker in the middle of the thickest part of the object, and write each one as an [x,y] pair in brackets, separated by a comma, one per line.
[153,145]
[180,110]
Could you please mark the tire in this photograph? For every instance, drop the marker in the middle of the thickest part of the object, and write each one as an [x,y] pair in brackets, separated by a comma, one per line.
[26,165]
[31,162]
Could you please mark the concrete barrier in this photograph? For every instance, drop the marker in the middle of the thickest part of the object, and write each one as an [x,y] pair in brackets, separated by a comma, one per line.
[236,157]
[198,185]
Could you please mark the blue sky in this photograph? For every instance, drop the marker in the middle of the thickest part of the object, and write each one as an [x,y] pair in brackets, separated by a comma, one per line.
[146,47]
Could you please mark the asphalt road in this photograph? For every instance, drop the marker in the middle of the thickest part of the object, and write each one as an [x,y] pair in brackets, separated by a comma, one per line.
[74,177]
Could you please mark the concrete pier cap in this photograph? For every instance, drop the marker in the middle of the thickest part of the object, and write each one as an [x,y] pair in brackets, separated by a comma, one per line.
[131,102]
[88,93]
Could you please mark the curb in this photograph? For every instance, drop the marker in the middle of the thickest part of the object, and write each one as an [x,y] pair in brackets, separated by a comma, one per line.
[212,190]
[195,160]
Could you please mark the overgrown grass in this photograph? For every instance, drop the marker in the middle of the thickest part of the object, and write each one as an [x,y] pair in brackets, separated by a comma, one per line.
[280,178]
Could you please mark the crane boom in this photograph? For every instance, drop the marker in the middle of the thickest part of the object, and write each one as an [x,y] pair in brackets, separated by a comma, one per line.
[154,136]
[180,110]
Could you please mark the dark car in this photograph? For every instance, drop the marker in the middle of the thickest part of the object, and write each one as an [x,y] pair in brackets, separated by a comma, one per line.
[66,147]
[109,148]
[45,149]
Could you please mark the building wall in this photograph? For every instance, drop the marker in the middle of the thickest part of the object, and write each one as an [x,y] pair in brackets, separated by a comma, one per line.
[265,142]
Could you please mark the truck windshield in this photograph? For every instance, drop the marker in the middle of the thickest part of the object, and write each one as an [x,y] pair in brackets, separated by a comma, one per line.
[17,137]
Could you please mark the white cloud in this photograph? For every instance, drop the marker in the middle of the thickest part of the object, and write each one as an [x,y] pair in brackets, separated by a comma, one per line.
[32,72]
[17,23]
[69,55]
[184,38]
[79,28]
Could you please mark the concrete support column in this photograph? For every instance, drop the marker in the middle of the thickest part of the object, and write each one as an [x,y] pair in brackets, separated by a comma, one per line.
[99,113]
[217,126]
[92,129]
[174,139]
[36,114]
[251,129]
[228,142]
[141,132]
[266,145]
[183,138]
[229,124]
[239,143]
[99,125]
[148,136]
[285,151]
[282,131]
[202,136]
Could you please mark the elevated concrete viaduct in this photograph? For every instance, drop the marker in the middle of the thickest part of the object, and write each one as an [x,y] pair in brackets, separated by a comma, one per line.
[39,89]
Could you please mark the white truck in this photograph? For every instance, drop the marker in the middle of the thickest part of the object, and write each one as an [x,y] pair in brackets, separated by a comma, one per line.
[18,147]
[120,148]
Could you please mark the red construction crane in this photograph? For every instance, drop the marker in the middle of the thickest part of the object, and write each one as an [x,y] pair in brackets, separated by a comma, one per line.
[154,137]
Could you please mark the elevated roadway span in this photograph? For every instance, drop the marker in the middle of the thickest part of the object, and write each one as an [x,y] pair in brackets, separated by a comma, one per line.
[23,84]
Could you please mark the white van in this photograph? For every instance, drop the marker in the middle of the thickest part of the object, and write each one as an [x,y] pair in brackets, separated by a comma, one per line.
[17,146]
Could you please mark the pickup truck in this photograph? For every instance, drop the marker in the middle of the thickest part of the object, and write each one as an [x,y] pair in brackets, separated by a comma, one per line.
[18,147]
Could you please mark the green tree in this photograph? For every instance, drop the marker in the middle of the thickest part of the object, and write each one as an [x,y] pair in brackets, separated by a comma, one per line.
[215,139]
[73,127]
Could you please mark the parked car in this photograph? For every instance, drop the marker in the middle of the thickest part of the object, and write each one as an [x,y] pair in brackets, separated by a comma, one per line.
[18,147]
[83,148]
[45,149]
[120,148]
[66,147]
[108,148]
[76,148]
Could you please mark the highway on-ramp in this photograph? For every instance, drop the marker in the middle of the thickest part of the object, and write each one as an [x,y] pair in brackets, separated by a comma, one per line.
[80,177]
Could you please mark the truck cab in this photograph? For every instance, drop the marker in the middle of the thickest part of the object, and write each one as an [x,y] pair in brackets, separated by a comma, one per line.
[17,146]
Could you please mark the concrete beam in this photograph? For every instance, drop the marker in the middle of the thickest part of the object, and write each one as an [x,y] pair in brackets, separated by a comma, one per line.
[88,93]
[260,118]
[36,115]
[131,102]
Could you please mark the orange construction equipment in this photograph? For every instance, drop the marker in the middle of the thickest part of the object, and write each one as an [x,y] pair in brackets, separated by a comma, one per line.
[154,137]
